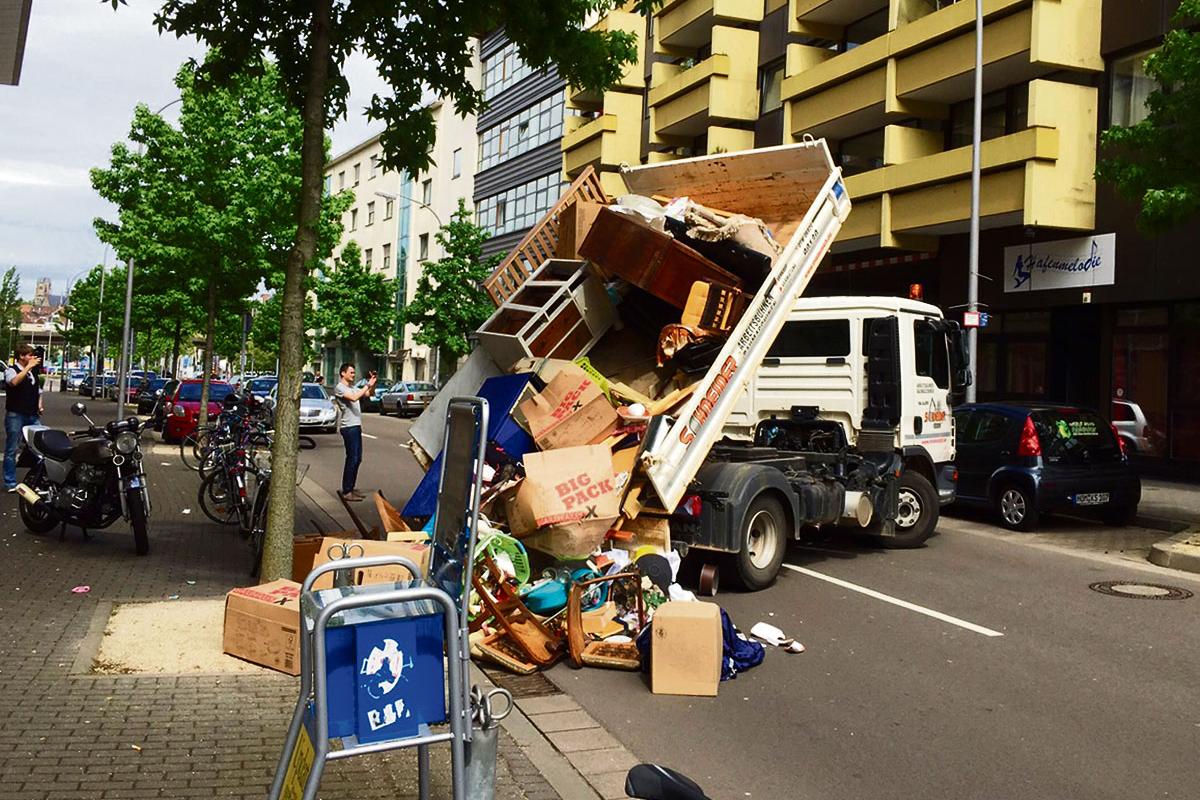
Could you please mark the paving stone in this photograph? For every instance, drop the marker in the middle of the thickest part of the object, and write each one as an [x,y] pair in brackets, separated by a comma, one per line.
[564,721]
[594,762]
[547,705]
[609,785]
[588,739]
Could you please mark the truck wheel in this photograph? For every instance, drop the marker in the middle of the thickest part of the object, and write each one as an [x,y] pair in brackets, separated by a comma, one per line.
[917,512]
[763,539]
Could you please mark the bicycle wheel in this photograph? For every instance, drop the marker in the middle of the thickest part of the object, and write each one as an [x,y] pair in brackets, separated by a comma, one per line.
[258,526]
[218,500]
[193,447]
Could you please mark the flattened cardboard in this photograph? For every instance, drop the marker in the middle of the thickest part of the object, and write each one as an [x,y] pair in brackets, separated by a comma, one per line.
[686,649]
[262,625]
[571,411]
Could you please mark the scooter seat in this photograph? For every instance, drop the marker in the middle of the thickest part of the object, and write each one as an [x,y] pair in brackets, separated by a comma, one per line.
[53,444]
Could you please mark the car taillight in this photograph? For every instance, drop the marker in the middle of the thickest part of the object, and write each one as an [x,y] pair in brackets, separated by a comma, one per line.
[690,505]
[411,397]
[1029,445]
[1120,441]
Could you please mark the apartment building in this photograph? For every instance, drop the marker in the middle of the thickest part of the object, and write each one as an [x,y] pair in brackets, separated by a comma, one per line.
[1083,308]
[14,26]
[373,223]
[519,162]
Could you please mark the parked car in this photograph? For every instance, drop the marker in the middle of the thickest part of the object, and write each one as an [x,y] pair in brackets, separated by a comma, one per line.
[134,388]
[143,373]
[368,402]
[183,413]
[149,393]
[158,412]
[1023,460]
[317,411]
[407,398]
[261,386]
[76,377]
[1135,430]
[105,386]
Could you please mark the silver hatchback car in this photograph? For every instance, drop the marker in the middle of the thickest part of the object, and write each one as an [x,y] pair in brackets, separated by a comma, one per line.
[407,398]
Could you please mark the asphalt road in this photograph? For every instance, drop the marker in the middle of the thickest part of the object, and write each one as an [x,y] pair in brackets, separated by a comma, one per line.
[980,666]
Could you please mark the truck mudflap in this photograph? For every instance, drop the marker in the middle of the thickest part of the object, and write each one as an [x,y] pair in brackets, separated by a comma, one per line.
[672,457]
[727,489]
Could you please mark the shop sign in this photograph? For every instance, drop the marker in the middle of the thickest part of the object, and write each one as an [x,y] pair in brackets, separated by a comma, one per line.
[1064,264]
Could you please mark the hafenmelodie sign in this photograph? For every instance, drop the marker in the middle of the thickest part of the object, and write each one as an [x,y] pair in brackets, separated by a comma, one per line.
[1064,264]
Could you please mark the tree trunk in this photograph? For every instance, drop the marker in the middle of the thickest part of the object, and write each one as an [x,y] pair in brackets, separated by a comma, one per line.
[281,509]
[209,342]
[175,348]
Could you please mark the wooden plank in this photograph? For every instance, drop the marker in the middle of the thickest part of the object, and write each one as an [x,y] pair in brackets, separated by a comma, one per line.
[670,401]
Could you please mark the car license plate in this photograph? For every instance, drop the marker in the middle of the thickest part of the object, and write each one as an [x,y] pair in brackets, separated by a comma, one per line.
[1091,499]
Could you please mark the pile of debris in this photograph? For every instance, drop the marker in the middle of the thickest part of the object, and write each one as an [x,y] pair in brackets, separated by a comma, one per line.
[609,336]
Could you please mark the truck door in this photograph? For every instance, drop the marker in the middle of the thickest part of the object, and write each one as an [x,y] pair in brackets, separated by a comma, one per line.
[927,421]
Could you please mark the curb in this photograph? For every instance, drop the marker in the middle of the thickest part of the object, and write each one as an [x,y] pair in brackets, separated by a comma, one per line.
[1163,524]
[1178,552]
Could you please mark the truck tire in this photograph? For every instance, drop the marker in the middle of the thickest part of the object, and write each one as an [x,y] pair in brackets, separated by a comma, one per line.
[763,541]
[916,513]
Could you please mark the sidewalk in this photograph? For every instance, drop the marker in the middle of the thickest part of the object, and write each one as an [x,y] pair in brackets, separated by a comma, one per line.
[1177,505]
[67,733]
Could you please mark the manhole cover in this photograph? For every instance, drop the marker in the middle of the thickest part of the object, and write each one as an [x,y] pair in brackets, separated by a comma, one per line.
[1140,591]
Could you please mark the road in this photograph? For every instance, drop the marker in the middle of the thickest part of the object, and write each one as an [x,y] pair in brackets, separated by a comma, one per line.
[980,666]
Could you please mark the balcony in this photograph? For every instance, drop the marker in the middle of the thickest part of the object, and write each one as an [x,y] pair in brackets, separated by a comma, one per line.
[721,89]
[688,24]
[633,78]
[1041,176]
[837,13]
[606,142]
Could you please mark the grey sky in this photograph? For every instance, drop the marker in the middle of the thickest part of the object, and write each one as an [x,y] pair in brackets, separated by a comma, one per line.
[85,68]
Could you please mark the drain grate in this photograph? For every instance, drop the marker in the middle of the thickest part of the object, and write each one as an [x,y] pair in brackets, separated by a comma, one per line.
[535,685]
[1140,591]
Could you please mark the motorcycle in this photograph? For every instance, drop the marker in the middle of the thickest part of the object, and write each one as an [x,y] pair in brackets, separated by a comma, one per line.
[88,478]
[654,782]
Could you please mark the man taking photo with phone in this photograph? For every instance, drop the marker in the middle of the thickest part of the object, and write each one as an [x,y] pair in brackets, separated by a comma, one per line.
[23,407]
[351,426]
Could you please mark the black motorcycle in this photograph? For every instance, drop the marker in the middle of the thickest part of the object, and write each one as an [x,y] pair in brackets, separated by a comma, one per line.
[88,478]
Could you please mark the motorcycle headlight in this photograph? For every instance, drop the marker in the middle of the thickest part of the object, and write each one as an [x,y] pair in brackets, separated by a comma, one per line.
[126,442]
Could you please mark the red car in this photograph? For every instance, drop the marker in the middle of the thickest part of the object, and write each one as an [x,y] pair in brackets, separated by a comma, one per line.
[182,411]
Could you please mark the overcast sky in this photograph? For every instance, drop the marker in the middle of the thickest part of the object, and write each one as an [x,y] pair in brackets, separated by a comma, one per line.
[85,69]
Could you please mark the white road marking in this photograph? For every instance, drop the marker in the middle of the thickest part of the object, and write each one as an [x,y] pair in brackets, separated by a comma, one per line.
[929,612]
[369,436]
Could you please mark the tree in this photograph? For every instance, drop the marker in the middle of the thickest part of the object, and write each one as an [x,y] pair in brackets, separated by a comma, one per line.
[1156,162]
[10,309]
[355,304]
[420,48]
[450,301]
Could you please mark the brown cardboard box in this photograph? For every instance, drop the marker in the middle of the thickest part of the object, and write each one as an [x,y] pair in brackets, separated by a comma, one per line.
[413,545]
[571,411]
[686,649]
[304,554]
[262,625]
[567,501]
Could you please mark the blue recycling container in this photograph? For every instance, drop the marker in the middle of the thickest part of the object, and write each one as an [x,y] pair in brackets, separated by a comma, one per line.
[384,665]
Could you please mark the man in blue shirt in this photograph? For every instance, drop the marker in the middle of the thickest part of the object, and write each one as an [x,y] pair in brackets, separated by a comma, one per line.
[24,406]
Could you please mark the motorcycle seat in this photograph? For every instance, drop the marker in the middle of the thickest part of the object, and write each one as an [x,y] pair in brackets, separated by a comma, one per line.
[53,444]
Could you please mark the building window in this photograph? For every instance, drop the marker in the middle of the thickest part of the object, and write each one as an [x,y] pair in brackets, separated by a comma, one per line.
[770,82]
[387,209]
[1004,112]
[530,127]
[521,206]
[423,247]
[357,171]
[427,192]
[371,213]
[861,153]
[457,163]
[374,165]
[341,180]
[354,219]
[328,184]
[1131,87]
[367,257]
[503,69]
[387,257]
[866,29]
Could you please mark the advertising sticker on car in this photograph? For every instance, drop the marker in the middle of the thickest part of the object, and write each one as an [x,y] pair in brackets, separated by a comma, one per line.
[1091,499]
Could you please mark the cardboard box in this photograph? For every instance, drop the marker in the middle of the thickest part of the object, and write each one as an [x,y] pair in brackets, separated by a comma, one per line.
[567,501]
[262,625]
[571,411]
[304,554]
[413,545]
[686,649]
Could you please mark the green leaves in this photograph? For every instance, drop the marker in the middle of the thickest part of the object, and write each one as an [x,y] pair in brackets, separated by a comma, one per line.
[354,304]
[1156,162]
[450,301]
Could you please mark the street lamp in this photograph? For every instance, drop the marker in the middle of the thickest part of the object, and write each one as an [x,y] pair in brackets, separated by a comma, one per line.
[973,246]
[123,370]
[437,355]
[62,372]
[96,366]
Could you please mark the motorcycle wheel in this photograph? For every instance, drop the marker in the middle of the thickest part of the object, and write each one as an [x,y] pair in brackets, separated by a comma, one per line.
[39,518]
[135,499]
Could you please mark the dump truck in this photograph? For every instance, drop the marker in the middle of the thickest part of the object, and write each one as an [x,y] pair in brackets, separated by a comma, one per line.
[816,411]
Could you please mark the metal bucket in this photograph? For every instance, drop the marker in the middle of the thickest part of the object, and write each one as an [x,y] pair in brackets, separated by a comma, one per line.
[485,738]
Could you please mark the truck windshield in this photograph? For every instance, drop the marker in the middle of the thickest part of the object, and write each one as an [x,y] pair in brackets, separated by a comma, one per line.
[930,353]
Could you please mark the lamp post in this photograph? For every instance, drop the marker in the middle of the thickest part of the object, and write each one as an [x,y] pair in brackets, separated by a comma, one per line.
[973,246]
[402,271]
[62,372]
[123,370]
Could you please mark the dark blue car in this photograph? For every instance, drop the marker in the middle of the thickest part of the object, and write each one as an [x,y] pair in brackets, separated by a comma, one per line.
[1026,459]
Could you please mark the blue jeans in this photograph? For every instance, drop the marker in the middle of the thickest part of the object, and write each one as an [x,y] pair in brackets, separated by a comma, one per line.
[352,437]
[13,422]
